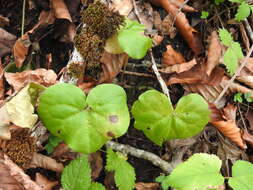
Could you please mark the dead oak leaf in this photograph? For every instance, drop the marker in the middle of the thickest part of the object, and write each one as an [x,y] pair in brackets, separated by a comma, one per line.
[182,24]
[13,178]
[41,76]
[171,57]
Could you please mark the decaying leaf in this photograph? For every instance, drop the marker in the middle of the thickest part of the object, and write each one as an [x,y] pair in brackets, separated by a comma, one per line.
[167,27]
[21,110]
[60,10]
[13,178]
[147,186]
[248,137]
[44,183]
[182,24]
[39,160]
[214,52]
[7,41]
[171,57]
[249,117]
[124,7]
[228,126]
[179,68]
[40,76]
[96,163]
[112,64]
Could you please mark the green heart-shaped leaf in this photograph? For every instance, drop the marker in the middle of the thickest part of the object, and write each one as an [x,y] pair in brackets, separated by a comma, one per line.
[155,116]
[85,124]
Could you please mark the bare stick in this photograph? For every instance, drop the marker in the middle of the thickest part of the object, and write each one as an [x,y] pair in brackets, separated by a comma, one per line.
[234,76]
[249,29]
[159,78]
[156,160]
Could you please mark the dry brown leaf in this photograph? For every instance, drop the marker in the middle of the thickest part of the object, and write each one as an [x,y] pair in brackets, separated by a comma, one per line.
[181,4]
[96,163]
[42,161]
[112,64]
[7,41]
[124,7]
[13,178]
[109,181]
[245,38]
[44,183]
[249,117]
[157,20]
[63,152]
[228,126]
[157,39]
[248,137]
[147,186]
[4,21]
[41,76]
[179,68]
[214,52]
[145,14]
[167,26]
[60,9]
[197,75]
[182,24]
[171,57]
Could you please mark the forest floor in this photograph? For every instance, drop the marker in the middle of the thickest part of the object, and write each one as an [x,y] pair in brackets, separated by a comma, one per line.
[36,43]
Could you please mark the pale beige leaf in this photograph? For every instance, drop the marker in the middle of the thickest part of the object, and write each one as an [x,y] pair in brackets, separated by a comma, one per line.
[124,7]
[21,110]
[4,124]
[179,68]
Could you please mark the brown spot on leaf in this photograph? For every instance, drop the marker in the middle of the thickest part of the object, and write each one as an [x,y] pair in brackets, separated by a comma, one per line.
[113,119]
[110,134]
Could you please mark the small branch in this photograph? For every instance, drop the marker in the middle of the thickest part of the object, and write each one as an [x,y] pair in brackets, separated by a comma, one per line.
[234,76]
[159,78]
[137,74]
[23,18]
[156,160]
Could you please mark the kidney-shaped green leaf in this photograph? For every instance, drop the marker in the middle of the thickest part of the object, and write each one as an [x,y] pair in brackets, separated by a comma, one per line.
[85,124]
[155,116]
[242,175]
[199,172]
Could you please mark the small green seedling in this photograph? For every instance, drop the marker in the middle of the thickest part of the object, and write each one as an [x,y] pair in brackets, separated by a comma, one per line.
[156,117]
[238,97]
[233,53]
[53,141]
[124,173]
[84,123]
[77,175]
[202,172]
[204,14]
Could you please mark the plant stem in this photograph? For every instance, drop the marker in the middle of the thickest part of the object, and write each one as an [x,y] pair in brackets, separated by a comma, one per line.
[156,160]
[23,18]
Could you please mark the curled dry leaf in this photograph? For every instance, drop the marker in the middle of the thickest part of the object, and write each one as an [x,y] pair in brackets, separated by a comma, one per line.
[112,64]
[7,41]
[124,7]
[228,126]
[197,75]
[181,4]
[248,137]
[171,57]
[214,52]
[60,10]
[179,68]
[13,178]
[41,76]
[42,161]
[44,183]
[147,186]
[96,163]
[182,24]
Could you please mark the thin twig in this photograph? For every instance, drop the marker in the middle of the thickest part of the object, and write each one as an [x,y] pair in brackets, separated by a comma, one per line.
[249,29]
[156,160]
[234,76]
[23,18]
[159,78]
[136,74]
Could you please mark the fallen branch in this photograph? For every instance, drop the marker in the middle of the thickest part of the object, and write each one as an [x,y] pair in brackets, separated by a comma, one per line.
[156,160]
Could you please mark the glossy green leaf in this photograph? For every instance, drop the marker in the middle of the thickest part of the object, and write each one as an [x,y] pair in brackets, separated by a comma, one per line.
[242,176]
[199,172]
[76,175]
[132,40]
[85,124]
[159,121]
[124,174]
